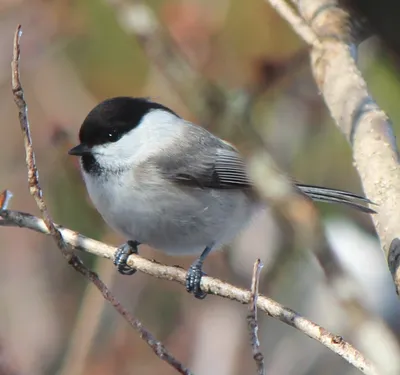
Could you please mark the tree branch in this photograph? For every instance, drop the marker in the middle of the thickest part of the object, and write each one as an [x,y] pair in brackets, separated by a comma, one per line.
[208,284]
[367,128]
[252,319]
[298,24]
[53,230]
[201,95]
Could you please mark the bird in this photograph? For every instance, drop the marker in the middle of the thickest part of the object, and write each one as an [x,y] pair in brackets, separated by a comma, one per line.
[162,181]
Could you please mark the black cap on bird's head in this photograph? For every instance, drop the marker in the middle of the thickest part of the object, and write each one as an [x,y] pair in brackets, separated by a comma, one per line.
[111,119]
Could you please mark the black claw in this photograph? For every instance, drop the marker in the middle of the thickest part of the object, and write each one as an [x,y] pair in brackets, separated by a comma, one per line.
[193,279]
[121,256]
[195,273]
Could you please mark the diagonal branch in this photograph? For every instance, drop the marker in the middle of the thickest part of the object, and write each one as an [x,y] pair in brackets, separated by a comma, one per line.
[208,284]
[367,128]
[53,230]
[298,24]
[204,97]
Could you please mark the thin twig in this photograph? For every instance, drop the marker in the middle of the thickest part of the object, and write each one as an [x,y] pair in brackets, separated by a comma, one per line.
[138,19]
[252,318]
[210,285]
[5,198]
[33,176]
[298,24]
[73,260]
[81,339]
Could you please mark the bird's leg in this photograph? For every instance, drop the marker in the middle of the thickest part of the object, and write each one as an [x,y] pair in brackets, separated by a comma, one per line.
[122,254]
[195,274]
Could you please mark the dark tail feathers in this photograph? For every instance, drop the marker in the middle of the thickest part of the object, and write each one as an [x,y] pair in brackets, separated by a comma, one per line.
[336,196]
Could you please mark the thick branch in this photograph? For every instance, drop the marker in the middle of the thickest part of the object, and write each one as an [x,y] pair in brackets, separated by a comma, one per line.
[208,284]
[365,125]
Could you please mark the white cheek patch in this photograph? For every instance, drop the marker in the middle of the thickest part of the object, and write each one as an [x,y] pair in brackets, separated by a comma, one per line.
[122,148]
[116,155]
[157,130]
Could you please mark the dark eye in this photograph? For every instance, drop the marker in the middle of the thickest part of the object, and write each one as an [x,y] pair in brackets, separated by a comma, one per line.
[113,136]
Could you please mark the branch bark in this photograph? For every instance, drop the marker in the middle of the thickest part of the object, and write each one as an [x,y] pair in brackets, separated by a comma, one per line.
[252,319]
[208,284]
[367,128]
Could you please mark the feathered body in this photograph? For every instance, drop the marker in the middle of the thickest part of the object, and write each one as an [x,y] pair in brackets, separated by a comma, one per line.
[168,183]
[181,213]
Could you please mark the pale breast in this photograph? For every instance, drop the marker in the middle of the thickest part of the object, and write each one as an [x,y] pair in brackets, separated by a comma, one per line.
[177,220]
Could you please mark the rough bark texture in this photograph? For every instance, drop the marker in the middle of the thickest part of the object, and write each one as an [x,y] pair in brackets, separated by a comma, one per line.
[365,125]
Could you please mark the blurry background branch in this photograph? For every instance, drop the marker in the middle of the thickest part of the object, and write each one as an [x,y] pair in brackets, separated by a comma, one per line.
[201,95]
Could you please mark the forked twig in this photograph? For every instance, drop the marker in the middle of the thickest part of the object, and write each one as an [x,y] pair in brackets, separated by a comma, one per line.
[37,193]
[252,319]
[208,284]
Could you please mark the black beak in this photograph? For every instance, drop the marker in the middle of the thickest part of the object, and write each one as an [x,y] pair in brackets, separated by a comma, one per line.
[80,150]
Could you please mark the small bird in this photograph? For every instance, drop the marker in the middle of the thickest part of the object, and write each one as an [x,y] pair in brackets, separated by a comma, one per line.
[168,183]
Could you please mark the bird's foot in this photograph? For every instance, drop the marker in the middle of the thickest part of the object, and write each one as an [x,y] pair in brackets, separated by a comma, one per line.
[193,279]
[121,256]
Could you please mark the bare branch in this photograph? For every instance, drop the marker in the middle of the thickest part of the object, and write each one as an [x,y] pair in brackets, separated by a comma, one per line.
[298,24]
[51,228]
[5,198]
[252,318]
[33,176]
[83,334]
[208,284]
[157,347]
[138,19]
[367,128]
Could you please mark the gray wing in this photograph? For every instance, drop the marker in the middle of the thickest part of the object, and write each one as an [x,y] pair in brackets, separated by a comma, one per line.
[205,161]
[224,169]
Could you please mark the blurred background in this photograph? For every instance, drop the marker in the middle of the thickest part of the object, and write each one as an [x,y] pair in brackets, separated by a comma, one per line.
[236,68]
